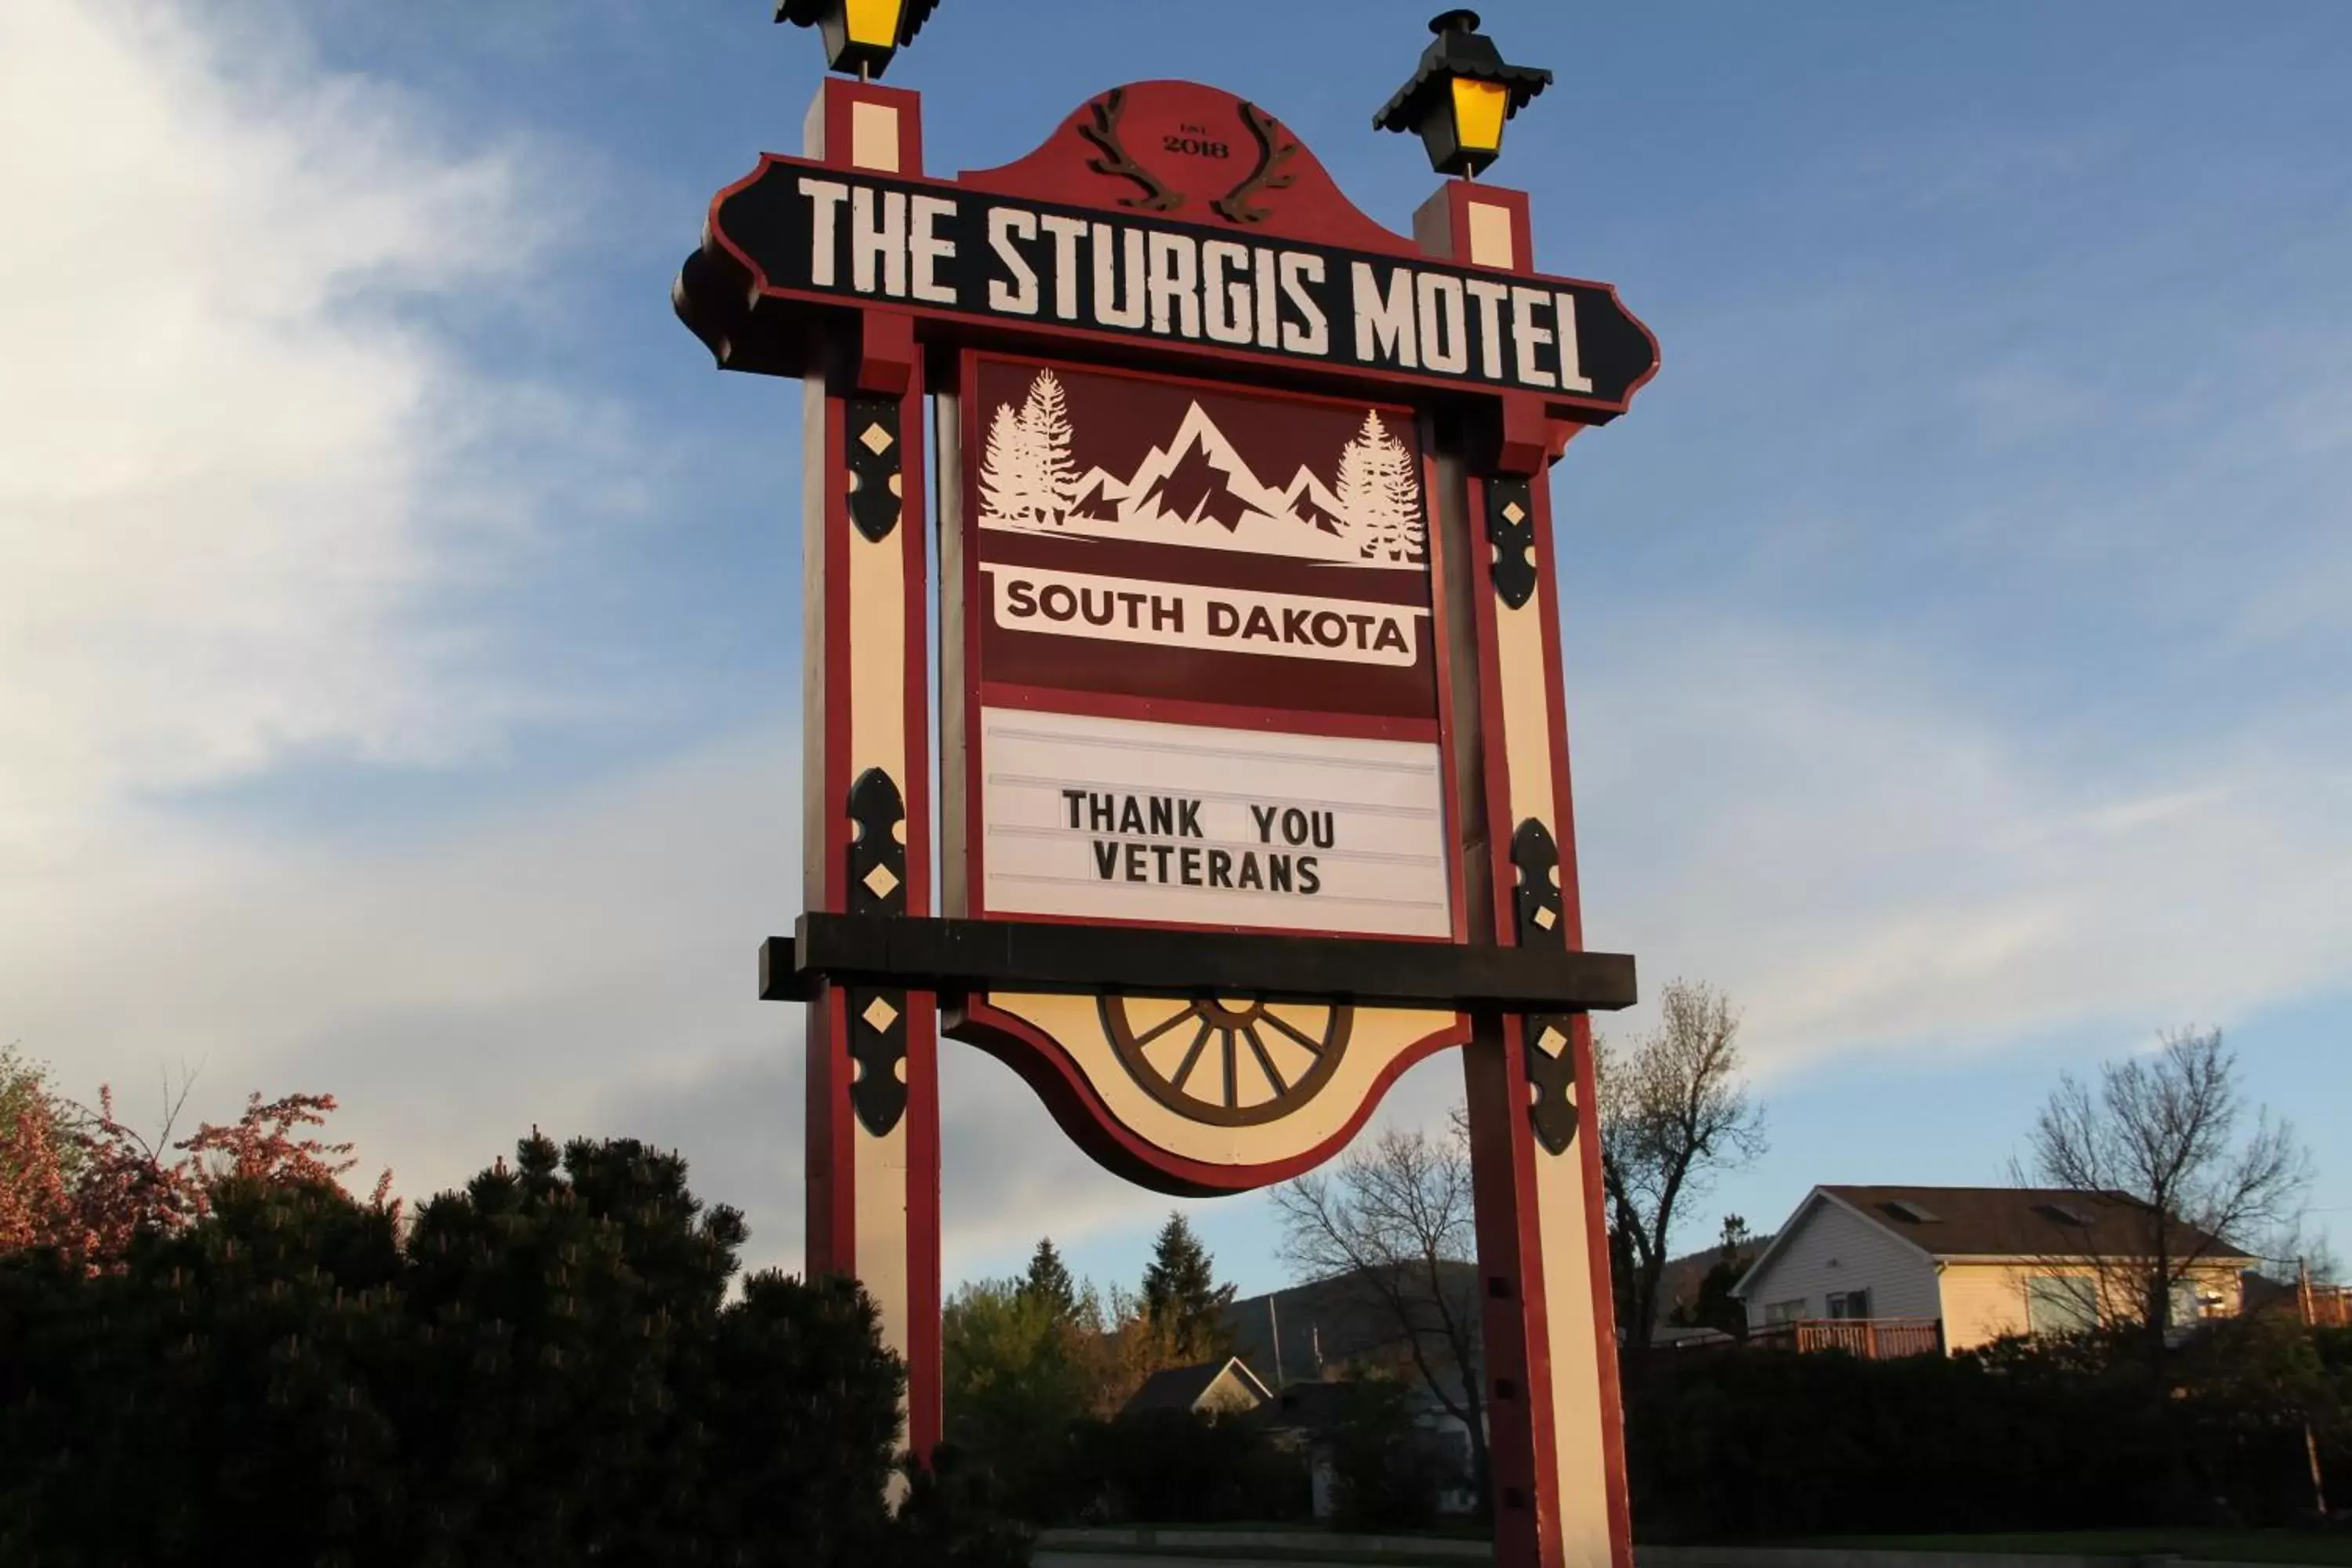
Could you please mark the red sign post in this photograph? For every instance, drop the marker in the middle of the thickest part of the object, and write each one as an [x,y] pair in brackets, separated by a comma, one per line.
[1253,744]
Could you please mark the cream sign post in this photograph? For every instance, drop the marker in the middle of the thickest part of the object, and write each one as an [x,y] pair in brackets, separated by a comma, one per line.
[1252,755]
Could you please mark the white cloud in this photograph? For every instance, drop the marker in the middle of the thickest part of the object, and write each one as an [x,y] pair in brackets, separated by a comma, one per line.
[244,483]
[1868,863]
[453,990]
[220,487]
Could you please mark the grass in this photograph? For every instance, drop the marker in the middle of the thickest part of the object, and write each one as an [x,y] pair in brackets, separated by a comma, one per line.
[1446,1529]
[2209,1545]
[2191,1545]
[1302,1555]
[1309,1544]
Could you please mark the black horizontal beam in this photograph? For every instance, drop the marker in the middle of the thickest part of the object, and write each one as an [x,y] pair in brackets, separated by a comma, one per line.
[954,957]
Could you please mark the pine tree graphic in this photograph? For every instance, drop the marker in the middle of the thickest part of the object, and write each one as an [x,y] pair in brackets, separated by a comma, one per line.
[1355,487]
[1381,495]
[1046,418]
[1027,474]
[1404,502]
[1008,470]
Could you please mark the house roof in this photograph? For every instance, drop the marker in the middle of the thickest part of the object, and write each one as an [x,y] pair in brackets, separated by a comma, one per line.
[1183,1387]
[1320,1407]
[2001,1222]
[1330,1323]
[1308,1406]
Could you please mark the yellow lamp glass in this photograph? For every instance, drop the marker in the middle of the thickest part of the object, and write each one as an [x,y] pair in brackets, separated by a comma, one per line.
[1478,110]
[874,23]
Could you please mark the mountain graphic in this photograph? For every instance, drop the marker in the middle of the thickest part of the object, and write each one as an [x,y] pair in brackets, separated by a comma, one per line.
[1198,490]
[1099,496]
[1310,500]
[1199,478]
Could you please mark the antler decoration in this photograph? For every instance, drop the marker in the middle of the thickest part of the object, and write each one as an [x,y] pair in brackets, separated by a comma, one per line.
[1104,133]
[1234,203]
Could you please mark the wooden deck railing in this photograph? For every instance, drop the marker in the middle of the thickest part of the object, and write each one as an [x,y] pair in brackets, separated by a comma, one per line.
[2328,1306]
[1872,1339]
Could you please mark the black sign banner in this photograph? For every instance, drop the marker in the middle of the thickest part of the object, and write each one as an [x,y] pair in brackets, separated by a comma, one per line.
[814,231]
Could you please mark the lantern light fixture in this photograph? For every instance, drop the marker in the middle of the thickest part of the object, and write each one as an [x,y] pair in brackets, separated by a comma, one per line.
[860,36]
[1460,95]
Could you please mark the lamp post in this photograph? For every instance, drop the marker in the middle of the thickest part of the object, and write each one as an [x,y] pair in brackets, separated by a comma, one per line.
[1460,95]
[860,36]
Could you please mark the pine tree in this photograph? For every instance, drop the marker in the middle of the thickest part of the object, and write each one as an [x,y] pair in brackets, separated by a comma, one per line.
[1358,488]
[1045,418]
[1048,1281]
[1381,495]
[1008,478]
[1403,488]
[1180,1295]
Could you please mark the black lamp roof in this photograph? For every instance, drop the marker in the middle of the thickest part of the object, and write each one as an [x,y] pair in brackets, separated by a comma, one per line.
[1460,50]
[809,13]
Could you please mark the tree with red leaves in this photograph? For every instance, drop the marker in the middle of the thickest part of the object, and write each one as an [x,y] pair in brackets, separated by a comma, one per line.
[84,1183]
[36,1159]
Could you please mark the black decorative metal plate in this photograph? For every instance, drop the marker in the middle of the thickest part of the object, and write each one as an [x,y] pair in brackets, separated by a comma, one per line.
[1511,529]
[876,475]
[877,861]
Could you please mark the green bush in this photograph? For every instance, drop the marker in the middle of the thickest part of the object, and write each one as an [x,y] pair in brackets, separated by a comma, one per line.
[546,1370]
[1172,1467]
[1014,1379]
[1387,1474]
[2079,1435]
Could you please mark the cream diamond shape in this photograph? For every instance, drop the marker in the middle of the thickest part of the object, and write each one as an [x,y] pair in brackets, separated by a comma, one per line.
[1550,1041]
[879,1015]
[1545,918]
[1514,512]
[875,441]
[881,880]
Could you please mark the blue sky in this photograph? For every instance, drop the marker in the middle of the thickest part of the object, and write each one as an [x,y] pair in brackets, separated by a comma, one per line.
[397,613]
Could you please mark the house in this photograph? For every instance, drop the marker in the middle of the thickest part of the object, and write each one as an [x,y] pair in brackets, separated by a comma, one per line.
[1308,1416]
[1317,1337]
[1328,1327]
[1209,1388]
[1874,1270]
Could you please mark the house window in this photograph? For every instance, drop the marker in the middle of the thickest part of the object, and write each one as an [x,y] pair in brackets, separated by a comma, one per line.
[2061,1304]
[2196,1300]
[1848,1303]
[1785,1312]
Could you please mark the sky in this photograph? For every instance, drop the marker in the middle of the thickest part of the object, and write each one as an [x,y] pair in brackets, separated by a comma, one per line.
[398,613]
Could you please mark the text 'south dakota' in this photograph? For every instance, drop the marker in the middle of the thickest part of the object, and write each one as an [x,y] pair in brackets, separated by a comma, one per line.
[1184,614]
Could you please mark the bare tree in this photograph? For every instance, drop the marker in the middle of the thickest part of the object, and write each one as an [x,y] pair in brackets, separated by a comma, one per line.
[2162,1132]
[1395,1222]
[1675,1111]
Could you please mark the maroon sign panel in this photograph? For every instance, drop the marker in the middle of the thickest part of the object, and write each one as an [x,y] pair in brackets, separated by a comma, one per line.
[1203,658]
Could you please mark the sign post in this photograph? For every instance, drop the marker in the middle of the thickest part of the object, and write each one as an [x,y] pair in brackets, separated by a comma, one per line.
[1253,752]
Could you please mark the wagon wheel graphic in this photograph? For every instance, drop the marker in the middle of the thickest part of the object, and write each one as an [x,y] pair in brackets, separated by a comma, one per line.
[1228,1061]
